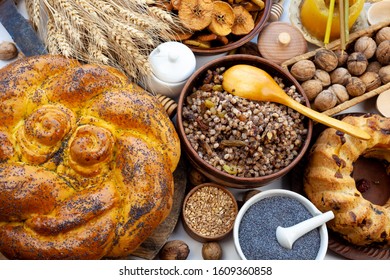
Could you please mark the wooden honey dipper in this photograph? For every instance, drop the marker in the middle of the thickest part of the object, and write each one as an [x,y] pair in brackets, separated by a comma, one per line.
[276,11]
[169,104]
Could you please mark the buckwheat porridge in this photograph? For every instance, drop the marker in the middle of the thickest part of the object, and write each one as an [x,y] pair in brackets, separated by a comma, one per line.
[242,137]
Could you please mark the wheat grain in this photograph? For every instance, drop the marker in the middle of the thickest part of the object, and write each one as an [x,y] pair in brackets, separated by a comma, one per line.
[103,6]
[60,42]
[70,11]
[135,18]
[50,41]
[120,33]
[161,14]
[85,7]
[96,55]
[34,10]
[132,32]
[129,48]
[69,32]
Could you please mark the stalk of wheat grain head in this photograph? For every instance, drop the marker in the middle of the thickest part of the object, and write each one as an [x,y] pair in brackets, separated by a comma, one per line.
[118,33]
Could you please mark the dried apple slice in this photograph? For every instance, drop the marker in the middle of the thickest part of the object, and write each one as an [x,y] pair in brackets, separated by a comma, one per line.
[197,43]
[207,37]
[195,14]
[243,23]
[222,18]
[259,3]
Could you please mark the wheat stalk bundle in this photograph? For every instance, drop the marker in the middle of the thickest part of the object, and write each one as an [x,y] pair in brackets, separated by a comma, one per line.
[118,33]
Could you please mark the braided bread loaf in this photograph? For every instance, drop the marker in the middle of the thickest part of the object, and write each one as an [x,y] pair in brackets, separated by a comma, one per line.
[329,185]
[86,161]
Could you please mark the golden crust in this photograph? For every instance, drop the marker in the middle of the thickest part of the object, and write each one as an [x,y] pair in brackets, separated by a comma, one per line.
[329,185]
[86,161]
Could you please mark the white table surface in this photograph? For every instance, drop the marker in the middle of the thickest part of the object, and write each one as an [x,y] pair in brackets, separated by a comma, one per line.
[227,244]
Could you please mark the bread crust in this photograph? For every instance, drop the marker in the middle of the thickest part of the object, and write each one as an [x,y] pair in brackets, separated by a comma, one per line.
[86,161]
[329,185]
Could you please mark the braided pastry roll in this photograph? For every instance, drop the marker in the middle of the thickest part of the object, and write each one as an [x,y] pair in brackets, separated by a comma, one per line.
[329,185]
[86,161]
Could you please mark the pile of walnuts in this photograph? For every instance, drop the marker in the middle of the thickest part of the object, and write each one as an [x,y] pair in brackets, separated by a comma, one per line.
[333,77]
[212,23]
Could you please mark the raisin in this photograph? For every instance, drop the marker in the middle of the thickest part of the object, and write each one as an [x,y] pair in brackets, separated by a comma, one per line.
[363,185]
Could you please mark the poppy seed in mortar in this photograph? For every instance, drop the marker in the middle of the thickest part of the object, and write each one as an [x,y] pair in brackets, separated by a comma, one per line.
[257,231]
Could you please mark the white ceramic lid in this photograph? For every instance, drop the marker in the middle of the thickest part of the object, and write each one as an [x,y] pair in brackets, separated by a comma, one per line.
[172,62]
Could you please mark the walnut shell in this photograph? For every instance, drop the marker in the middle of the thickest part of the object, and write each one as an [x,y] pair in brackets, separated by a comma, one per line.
[355,87]
[341,93]
[196,178]
[366,45]
[312,88]
[374,66]
[303,70]
[8,51]
[371,80]
[357,63]
[326,60]
[342,57]
[174,250]
[248,194]
[340,76]
[211,251]
[382,35]
[323,77]
[325,100]
[383,52]
[384,74]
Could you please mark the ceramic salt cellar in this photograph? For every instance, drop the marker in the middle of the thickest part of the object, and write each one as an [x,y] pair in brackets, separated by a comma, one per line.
[172,64]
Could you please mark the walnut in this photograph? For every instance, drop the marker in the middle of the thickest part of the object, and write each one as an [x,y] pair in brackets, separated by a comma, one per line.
[342,57]
[196,178]
[340,76]
[249,48]
[366,45]
[174,250]
[341,93]
[383,52]
[211,251]
[325,100]
[312,88]
[248,194]
[357,63]
[374,66]
[303,70]
[371,80]
[355,87]
[323,77]
[326,60]
[382,35]
[384,74]
[8,51]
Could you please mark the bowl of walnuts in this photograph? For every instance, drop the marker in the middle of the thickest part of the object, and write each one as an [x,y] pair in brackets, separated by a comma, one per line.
[213,27]
[335,79]
[234,141]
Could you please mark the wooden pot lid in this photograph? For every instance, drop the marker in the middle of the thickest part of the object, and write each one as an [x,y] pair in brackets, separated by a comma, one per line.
[280,41]
[383,103]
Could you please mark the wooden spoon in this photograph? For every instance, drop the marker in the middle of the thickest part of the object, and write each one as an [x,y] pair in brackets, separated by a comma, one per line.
[254,83]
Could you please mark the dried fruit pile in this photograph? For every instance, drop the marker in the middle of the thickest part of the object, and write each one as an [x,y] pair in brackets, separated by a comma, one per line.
[332,77]
[215,23]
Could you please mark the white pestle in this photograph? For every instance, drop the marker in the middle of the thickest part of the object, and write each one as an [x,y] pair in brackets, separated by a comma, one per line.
[287,236]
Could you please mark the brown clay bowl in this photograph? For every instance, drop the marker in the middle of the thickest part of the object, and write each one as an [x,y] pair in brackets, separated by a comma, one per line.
[207,169]
[207,203]
[238,41]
